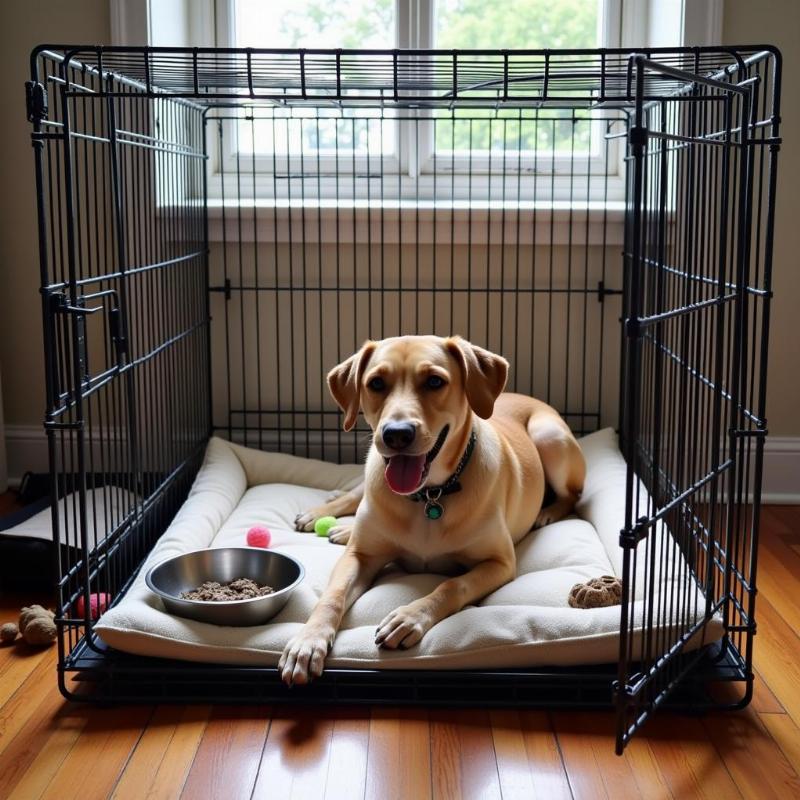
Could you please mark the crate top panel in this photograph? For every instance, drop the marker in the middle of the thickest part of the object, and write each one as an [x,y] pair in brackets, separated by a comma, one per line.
[400,78]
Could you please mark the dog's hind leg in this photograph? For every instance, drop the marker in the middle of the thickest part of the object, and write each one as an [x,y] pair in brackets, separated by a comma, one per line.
[343,505]
[563,464]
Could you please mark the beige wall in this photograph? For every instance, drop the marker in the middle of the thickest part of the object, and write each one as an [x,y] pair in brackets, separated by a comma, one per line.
[778,22]
[24,24]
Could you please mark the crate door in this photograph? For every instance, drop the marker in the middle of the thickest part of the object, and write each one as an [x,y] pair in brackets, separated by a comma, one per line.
[125,319]
[688,189]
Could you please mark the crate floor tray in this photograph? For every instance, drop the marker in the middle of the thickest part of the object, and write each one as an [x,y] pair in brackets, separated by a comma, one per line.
[525,623]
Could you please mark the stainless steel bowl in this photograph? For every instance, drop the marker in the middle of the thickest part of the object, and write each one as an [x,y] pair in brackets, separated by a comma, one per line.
[188,571]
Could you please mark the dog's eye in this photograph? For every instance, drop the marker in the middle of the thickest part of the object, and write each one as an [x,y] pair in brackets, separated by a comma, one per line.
[376,384]
[434,382]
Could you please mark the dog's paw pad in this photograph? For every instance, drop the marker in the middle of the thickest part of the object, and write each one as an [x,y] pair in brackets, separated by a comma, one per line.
[340,534]
[304,523]
[596,593]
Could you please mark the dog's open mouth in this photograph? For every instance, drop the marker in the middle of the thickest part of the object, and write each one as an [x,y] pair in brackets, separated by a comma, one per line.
[405,474]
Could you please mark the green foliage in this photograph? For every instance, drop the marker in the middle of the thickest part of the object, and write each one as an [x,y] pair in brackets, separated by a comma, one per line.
[516,24]
[461,24]
[369,24]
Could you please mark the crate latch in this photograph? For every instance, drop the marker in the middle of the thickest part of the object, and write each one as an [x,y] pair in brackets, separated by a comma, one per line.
[35,101]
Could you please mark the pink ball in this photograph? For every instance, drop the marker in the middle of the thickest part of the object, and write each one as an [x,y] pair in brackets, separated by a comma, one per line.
[98,603]
[259,536]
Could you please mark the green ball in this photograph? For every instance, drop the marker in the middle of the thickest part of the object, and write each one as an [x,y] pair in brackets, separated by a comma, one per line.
[323,525]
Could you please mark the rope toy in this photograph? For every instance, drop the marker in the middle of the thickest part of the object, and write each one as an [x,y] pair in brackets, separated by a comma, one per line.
[596,593]
[37,625]
[8,632]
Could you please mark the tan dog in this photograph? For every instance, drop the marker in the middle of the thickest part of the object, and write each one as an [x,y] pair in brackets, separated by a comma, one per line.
[423,397]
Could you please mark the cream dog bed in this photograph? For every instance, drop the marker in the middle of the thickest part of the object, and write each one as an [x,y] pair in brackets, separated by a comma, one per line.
[525,623]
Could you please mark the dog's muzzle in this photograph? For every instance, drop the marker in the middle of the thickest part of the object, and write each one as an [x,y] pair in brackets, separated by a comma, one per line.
[405,474]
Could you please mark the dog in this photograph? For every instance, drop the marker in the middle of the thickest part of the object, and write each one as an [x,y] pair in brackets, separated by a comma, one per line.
[456,475]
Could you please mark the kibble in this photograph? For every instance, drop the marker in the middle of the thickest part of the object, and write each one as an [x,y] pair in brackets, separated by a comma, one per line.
[240,589]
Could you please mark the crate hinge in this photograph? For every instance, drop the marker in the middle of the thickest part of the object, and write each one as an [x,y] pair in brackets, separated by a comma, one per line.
[35,101]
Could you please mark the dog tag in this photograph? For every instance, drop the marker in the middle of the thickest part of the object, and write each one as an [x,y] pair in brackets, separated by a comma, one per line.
[433,508]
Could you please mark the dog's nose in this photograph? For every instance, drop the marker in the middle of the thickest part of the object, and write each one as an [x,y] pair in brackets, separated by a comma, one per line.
[398,435]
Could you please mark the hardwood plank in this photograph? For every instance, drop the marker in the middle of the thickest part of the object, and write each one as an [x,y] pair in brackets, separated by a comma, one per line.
[754,760]
[688,761]
[544,757]
[161,761]
[786,734]
[649,779]
[463,755]
[98,757]
[21,660]
[29,727]
[778,567]
[227,759]
[764,700]
[399,764]
[587,745]
[226,762]
[296,755]
[786,519]
[25,701]
[37,755]
[776,656]
[347,765]
[513,768]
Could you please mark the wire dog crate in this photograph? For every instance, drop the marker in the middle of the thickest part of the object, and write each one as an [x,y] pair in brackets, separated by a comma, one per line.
[218,227]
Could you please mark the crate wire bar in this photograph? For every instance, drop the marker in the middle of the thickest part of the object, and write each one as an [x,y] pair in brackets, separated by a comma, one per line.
[217,227]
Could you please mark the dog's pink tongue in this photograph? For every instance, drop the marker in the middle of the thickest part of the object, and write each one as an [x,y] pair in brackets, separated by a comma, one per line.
[404,473]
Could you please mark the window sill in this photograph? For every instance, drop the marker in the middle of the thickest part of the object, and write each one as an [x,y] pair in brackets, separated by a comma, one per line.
[363,221]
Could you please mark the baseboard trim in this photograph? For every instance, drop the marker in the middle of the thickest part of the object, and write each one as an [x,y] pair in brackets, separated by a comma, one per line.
[26,447]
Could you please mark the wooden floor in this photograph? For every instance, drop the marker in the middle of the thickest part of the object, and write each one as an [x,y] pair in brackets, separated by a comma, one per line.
[51,748]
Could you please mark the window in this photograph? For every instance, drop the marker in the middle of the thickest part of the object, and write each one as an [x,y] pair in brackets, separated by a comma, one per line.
[416,146]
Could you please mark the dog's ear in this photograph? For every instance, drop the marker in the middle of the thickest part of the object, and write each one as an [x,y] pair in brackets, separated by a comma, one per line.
[344,381]
[484,374]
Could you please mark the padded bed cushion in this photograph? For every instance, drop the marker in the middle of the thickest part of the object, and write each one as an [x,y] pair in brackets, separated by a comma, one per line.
[525,623]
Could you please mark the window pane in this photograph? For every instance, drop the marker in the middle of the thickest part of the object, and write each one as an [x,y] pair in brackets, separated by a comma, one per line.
[315,23]
[518,24]
[313,132]
[360,24]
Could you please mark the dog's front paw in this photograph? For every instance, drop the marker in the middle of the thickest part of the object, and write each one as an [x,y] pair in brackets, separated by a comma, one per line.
[303,658]
[403,628]
[340,534]
[305,522]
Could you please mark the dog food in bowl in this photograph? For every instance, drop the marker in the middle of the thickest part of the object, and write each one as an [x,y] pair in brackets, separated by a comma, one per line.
[240,589]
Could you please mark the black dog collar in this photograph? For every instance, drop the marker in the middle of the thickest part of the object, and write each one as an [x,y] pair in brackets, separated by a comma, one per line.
[432,494]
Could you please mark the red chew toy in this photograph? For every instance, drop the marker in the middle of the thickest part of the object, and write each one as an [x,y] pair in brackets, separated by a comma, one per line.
[98,603]
[259,536]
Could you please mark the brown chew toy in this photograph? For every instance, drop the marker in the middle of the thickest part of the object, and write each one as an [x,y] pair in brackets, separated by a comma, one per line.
[8,632]
[37,625]
[596,593]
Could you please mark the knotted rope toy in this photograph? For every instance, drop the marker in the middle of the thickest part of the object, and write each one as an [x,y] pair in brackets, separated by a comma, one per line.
[596,593]
[36,624]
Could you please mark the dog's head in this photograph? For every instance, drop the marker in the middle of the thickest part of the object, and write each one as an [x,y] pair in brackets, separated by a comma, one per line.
[415,391]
